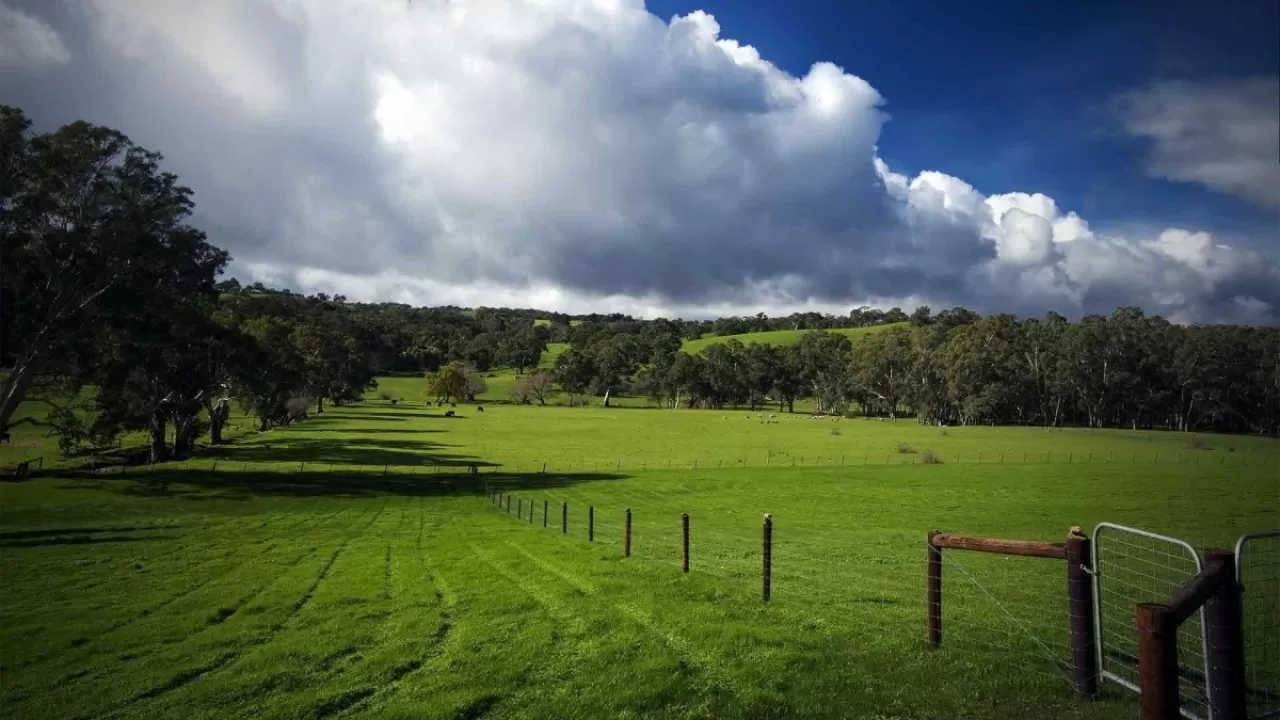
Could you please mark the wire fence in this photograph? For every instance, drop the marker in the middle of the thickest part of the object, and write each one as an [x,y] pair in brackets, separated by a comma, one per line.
[1007,617]
[1258,572]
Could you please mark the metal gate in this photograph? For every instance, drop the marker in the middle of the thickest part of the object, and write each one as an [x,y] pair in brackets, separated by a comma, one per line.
[1258,573]
[1133,566]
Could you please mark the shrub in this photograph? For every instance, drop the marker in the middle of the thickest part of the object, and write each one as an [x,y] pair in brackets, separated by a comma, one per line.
[928,458]
[905,449]
[386,395]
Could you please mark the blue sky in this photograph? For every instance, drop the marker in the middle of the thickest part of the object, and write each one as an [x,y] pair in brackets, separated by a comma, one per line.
[613,156]
[1013,94]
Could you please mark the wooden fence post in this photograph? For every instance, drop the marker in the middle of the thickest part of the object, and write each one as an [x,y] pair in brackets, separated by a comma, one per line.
[934,572]
[544,513]
[520,507]
[766,573]
[1224,624]
[1157,662]
[626,535]
[1084,658]
[564,518]
[591,523]
[530,512]
[684,555]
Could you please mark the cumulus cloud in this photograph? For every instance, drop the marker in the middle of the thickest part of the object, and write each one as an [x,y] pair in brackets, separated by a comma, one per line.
[580,155]
[1224,135]
[27,42]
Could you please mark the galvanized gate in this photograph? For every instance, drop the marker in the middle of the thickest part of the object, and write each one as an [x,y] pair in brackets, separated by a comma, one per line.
[1133,566]
[1258,573]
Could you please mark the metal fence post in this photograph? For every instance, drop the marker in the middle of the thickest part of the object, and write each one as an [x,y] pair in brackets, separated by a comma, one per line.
[626,535]
[933,557]
[1084,659]
[766,573]
[1224,625]
[684,528]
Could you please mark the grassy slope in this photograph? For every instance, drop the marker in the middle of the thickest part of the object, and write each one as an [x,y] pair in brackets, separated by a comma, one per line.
[778,337]
[258,590]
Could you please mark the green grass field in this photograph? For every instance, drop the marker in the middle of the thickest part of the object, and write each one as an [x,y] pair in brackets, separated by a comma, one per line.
[779,337]
[346,567]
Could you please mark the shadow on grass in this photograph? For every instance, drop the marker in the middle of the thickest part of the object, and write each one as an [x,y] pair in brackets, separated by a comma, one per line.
[343,451]
[84,540]
[244,484]
[372,431]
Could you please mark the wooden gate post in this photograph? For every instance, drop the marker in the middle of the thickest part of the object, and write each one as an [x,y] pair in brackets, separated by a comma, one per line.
[564,518]
[591,523]
[1224,625]
[544,513]
[934,572]
[684,527]
[766,573]
[1084,658]
[1157,662]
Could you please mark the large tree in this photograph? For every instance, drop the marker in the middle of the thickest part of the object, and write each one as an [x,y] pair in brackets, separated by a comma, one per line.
[88,222]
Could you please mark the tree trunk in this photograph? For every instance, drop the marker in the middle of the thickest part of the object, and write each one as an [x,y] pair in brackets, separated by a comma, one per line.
[606,396]
[677,404]
[262,424]
[159,450]
[217,418]
[14,390]
[319,405]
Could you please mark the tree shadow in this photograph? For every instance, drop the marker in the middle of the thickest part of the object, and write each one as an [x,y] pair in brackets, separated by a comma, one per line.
[372,431]
[244,484]
[344,451]
[84,540]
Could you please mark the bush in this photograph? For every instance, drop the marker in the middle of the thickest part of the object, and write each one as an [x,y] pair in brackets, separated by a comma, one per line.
[928,458]
[386,395]
[905,449]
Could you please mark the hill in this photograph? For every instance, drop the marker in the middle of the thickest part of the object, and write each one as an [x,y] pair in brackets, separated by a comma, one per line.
[779,337]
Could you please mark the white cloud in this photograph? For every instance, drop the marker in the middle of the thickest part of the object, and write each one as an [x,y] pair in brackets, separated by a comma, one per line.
[582,155]
[27,42]
[1223,135]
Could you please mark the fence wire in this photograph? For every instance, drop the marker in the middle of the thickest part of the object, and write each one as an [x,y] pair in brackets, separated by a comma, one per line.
[1133,567]
[1258,571]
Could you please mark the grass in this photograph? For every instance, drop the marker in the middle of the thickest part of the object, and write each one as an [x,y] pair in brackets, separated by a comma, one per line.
[298,580]
[779,337]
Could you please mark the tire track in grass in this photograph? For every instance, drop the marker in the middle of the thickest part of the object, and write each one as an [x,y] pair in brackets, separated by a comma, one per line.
[153,610]
[186,678]
[222,660]
[705,663]
[203,626]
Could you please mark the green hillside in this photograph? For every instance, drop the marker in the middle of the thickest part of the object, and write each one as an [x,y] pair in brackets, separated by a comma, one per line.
[778,337]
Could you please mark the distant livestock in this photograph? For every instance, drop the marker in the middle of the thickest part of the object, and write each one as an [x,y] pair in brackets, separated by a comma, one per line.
[479,408]
[448,413]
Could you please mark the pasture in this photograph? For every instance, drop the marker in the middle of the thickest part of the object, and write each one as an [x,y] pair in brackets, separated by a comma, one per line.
[348,566]
[779,337]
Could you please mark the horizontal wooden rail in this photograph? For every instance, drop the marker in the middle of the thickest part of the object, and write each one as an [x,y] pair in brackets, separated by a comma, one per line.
[1197,592]
[1026,548]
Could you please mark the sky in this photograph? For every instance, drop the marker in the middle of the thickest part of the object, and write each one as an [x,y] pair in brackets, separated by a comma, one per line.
[700,158]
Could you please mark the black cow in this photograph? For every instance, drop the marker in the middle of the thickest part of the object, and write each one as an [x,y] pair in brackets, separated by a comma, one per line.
[479,408]
[448,413]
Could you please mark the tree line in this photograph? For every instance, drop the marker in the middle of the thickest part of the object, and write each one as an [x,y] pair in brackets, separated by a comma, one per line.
[1126,370]
[114,313]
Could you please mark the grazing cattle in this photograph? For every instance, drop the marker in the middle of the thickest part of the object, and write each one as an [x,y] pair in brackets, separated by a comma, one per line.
[453,404]
[448,413]
[479,408]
